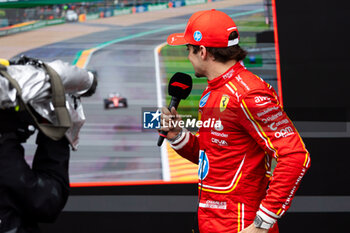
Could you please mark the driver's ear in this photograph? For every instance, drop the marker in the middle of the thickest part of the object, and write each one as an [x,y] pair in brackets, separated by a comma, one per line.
[203,52]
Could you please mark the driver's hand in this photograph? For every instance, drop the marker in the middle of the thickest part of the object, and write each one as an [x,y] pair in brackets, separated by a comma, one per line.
[169,122]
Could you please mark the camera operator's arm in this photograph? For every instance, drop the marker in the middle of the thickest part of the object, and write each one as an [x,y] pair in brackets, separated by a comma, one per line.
[39,193]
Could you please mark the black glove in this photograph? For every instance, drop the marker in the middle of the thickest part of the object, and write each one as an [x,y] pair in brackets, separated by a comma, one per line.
[19,123]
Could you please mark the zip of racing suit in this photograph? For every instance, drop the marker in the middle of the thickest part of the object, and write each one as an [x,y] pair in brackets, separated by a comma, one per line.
[237,154]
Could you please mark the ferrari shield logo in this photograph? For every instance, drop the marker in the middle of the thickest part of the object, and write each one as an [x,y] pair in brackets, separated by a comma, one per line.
[224,102]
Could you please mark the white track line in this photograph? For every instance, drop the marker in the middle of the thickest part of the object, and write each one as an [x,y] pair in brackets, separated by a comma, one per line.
[161,103]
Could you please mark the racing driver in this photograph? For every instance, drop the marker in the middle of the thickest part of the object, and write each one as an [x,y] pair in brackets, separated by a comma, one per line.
[236,190]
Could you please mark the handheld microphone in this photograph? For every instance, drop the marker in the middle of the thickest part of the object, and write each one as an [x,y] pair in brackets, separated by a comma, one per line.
[180,87]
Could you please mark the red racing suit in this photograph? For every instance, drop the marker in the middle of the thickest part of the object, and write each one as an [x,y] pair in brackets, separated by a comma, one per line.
[234,155]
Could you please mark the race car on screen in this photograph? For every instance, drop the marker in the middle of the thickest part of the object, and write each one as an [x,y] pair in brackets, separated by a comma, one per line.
[115,100]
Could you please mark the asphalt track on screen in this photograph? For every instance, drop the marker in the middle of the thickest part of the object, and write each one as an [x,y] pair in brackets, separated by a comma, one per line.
[112,145]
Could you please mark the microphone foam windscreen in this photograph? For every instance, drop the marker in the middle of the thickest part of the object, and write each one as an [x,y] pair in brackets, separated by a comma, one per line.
[180,85]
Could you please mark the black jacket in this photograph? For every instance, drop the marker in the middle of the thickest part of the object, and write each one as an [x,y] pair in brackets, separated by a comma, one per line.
[31,195]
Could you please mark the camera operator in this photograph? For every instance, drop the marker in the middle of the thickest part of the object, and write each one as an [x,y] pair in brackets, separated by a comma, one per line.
[29,97]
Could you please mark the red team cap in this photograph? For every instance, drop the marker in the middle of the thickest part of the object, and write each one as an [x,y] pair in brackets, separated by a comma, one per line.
[210,28]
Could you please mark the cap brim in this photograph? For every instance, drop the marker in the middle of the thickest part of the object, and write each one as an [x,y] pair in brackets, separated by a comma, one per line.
[176,39]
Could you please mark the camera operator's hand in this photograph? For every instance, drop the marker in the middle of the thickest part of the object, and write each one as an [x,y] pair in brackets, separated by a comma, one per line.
[169,122]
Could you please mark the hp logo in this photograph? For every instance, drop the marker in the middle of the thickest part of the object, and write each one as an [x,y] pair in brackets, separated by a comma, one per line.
[197,36]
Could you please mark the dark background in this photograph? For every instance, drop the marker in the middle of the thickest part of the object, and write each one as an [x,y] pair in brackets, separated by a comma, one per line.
[314,55]
[314,50]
